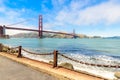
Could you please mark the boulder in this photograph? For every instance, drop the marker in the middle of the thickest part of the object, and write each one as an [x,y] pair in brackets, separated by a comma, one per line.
[50,62]
[117,74]
[5,49]
[67,65]
[14,51]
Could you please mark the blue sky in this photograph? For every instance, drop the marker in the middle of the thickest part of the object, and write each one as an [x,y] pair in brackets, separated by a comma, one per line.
[90,17]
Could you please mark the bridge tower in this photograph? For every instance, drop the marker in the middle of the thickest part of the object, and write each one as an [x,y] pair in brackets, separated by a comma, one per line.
[1,31]
[40,27]
[74,35]
[4,31]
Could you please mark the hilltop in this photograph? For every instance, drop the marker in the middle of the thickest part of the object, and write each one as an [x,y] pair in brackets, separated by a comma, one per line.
[50,35]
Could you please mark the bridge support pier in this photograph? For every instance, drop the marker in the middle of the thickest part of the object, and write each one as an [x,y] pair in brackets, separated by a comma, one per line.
[2,32]
[40,27]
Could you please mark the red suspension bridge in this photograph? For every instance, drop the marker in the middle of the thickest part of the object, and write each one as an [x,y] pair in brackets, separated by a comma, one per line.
[40,29]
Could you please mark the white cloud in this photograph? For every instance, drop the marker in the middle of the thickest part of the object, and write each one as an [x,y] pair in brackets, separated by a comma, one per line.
[9,16]
[106,13]
[12,32]
[58,3]
[73,13]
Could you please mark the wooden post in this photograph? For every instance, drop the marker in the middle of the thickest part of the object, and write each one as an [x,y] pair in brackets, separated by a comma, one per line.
[1,47]
[55,58]
[19,52]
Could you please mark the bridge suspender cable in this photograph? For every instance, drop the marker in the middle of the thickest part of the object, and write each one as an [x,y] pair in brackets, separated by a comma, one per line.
[20,22]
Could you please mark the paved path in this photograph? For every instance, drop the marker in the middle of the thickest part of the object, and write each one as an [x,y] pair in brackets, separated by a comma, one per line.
[10,70]
[60,73]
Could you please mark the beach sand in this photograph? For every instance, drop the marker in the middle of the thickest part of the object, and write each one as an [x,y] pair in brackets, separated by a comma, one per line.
[59,73]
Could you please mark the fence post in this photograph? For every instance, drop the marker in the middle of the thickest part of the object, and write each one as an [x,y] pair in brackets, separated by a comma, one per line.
[1,47]
[19,52]
[55,58]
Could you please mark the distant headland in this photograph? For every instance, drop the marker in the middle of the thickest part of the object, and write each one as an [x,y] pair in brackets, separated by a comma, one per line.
[50,35]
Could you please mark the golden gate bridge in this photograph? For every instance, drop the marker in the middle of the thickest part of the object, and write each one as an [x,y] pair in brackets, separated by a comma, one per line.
[40,29]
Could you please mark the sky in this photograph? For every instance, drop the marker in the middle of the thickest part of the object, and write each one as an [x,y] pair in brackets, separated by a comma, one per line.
[90,17]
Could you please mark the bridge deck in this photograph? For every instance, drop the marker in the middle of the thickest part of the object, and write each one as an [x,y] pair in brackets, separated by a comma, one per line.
[13,28]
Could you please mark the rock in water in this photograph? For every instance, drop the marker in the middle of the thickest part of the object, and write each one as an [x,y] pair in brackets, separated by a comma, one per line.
[67,65]
[117,74]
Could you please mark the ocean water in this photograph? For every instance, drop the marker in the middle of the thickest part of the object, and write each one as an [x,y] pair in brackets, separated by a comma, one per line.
[110,47]
[100,51]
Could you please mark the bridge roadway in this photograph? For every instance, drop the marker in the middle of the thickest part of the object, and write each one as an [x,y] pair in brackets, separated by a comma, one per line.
[38,30]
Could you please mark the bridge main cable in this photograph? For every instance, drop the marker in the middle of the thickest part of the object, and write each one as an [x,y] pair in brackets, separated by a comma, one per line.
[21,29]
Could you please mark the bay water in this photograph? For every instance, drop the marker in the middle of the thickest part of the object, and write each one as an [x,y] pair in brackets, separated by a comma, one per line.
[100,51]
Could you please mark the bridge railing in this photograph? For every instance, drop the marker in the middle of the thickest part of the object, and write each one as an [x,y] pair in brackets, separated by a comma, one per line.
[18,51]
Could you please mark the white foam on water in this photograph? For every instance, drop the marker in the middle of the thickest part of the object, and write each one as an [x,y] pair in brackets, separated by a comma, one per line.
[35,57]
[101,72]
[97,72]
